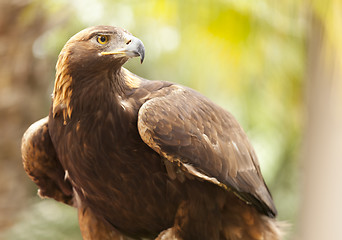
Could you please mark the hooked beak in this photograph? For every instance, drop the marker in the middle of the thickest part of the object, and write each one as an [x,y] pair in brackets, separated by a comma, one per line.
[134,48]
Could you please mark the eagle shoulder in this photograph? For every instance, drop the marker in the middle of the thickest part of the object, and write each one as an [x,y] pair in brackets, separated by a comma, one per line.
[41,163]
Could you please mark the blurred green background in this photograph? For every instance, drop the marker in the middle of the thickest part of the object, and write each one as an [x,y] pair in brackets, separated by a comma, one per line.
[254,58]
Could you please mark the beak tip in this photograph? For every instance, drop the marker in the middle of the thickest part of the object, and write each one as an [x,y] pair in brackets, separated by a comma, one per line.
[141,51]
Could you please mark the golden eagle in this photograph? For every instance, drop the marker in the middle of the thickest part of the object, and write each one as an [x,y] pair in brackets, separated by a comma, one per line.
[143,159]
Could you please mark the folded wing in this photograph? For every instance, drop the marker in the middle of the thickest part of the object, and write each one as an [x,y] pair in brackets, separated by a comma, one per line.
[42,165]
[206,141]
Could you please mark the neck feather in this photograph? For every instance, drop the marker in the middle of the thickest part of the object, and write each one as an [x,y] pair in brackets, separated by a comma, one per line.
[86,93]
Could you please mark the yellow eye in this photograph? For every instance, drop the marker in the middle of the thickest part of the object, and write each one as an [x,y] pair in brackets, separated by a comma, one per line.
[102,39]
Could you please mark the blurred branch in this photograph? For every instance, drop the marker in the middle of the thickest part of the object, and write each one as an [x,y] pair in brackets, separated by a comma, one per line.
[322,193]
[22,87]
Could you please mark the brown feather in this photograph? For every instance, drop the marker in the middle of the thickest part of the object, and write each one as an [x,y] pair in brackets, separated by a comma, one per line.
[62,91]
[229,159]
[41,163]
[144,159]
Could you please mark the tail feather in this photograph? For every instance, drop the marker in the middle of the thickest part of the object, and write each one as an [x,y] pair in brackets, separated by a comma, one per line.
[245,222]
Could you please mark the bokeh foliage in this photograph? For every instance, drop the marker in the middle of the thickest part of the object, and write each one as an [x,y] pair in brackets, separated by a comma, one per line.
[247,56]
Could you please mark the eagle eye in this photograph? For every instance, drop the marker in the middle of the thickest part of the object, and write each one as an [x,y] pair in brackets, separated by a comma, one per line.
[102,39]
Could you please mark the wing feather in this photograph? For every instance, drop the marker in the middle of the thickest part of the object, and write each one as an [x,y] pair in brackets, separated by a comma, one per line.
[205,140]
[42,165]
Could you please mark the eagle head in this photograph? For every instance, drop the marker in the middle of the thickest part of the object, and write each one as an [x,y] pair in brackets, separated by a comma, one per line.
[92,51]
[99,47]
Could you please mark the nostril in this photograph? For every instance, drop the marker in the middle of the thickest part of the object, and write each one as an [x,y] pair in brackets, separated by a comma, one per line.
[128,42]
